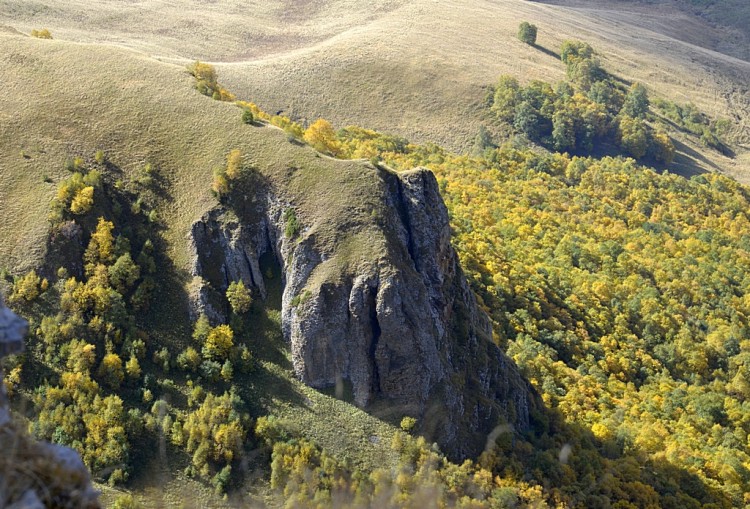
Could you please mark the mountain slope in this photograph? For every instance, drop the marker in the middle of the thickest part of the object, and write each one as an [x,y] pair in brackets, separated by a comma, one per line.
[373,296]
[357,64]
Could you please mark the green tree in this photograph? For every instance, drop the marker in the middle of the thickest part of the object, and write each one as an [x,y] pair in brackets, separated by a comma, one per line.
[527,120]
[483,141]
[248,117]
[527,33]
[506,98]
[604,93]
[201,329]
[563,131]
[575,50]
[124,273]
[636,102]
[633,136]
[581,64]
[293,226]
[227,371]
[239,297]
[189,360]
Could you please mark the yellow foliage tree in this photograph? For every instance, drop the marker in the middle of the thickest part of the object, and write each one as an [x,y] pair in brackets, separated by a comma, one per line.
[101,247]
[29,287]
[110,370]
[83,201]
[219,342]
[234,164]
[321,136]
[662,147]
[133,368]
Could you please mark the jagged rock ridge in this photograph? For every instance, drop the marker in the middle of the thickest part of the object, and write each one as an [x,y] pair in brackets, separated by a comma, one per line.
[403,328]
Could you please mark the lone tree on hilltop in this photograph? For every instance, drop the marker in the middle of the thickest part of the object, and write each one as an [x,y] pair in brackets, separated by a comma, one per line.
[527,33]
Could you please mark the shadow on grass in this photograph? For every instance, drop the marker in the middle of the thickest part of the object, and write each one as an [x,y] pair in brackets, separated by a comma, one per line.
[547,51]
[686,160]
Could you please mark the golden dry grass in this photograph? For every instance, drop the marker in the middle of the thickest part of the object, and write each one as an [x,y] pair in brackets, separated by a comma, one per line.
[415,68]
[64,99]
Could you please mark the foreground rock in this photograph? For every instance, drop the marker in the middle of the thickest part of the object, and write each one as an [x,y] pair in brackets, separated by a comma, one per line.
[402,328]
[35,474]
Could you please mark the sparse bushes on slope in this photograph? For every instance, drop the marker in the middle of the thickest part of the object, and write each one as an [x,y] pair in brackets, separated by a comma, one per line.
[207,81]
[689,119]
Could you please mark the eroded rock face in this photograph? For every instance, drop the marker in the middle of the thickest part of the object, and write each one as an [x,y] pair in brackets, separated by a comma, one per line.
[35,474]
[403,328]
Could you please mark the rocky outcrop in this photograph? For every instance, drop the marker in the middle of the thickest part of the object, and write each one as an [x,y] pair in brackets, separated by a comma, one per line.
[35,474]
[402,327]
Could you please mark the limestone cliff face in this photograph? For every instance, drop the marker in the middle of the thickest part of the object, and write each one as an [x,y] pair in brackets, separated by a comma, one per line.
[402,328]
[35,474]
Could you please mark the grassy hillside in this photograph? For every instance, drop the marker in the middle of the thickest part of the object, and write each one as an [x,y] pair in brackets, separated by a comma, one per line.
[63,100]
[136,111]
[719,25]
[357,64]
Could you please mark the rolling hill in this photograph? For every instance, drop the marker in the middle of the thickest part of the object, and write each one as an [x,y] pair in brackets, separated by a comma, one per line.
[359,63]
